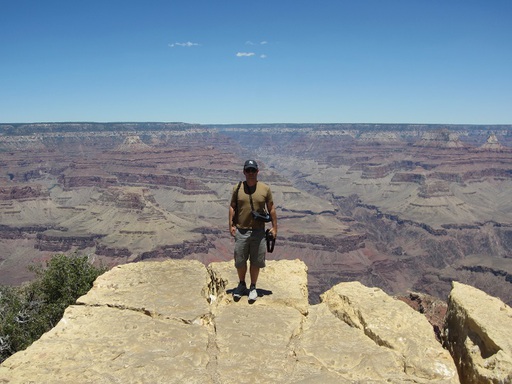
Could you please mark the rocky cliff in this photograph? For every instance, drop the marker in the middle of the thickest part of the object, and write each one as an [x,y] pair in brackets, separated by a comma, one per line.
[175,321]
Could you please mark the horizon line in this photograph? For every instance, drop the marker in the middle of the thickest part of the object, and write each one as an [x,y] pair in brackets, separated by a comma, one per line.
[253,124]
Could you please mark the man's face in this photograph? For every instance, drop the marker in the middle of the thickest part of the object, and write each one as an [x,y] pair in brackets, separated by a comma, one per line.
[251,173]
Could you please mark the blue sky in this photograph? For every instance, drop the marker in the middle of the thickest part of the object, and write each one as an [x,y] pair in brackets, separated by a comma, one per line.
[266,61]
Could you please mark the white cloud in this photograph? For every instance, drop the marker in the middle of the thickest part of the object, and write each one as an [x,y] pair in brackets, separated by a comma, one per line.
[187,44]
[249,42]
[263,56]
[245,54]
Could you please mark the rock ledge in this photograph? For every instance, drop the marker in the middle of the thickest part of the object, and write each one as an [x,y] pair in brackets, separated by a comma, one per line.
[176,321]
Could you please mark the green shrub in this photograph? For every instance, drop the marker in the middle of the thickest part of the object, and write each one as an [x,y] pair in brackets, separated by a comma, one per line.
[28,311]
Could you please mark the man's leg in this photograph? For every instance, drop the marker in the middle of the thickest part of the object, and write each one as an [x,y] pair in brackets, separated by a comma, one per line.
[241,254]
[258,248]
[241,289]
[254,271]
[242,271]
[241,250]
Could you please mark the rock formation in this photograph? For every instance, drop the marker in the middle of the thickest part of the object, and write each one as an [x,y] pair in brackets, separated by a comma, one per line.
[478,335]
[440,139]
[133,143]
[492,144]
[175,321]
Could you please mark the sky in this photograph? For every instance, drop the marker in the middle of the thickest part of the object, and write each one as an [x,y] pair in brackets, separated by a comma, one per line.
[266,61]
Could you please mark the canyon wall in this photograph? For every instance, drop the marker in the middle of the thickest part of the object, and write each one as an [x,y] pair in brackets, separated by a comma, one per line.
[399,207]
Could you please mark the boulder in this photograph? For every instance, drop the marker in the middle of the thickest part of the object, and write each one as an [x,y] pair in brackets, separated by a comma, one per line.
[478,335]
[401,336]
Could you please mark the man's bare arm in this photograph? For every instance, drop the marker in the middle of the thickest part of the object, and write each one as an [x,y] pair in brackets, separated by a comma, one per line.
[273,216]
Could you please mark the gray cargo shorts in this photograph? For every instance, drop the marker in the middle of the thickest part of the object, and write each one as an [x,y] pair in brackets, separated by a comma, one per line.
[250,244]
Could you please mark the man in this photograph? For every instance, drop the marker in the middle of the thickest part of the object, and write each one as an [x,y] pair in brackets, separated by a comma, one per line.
[249,232]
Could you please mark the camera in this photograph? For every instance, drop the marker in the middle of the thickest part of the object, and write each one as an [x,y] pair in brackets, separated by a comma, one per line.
[271,241]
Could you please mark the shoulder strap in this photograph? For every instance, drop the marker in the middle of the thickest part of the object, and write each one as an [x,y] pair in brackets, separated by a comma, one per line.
[235,217]
[252,204]
[238,188]
[250,199]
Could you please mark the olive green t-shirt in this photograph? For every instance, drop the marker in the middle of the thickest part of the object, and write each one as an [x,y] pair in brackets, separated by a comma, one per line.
[261,196]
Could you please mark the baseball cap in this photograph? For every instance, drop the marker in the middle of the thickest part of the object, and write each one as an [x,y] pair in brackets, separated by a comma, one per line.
[250,164]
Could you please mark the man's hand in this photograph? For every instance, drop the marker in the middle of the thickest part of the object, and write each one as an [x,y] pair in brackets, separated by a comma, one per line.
[232,230]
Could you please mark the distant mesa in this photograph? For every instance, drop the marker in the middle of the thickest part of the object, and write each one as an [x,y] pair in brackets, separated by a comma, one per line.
[492,144]
[381,137]
[131,144]
[440,139]
[25,143]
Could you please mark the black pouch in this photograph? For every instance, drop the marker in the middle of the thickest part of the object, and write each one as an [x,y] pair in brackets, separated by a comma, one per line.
[265,217]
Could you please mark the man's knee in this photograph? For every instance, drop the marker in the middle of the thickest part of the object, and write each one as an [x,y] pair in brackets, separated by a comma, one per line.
[258,262]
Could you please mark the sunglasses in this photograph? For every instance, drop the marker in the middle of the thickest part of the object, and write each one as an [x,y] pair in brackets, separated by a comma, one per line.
[251,170]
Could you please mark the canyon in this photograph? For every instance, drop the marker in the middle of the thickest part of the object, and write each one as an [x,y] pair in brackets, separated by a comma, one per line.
[401,207]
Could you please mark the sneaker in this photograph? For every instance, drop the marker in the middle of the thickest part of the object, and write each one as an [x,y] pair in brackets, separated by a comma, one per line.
[253,294]
[239,291]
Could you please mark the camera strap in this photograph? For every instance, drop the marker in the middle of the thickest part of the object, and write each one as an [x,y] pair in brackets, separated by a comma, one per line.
[265,216]
[250,199]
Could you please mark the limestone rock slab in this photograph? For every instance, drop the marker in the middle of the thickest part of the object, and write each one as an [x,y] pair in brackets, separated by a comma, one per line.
[283,282]
[109,345]
[170,289]
[255,343]
[176,321]
[392,324]
[336,346]
[478,332]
